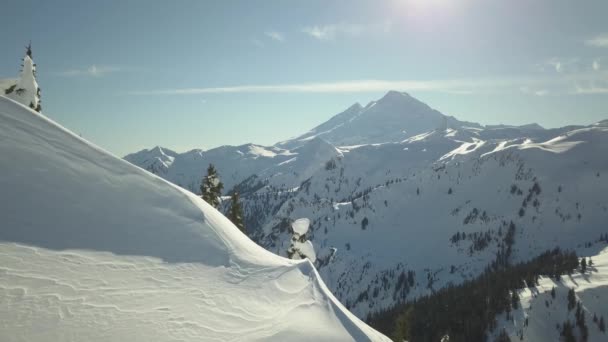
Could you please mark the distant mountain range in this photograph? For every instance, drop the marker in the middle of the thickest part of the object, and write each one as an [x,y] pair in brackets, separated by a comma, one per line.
[397,188]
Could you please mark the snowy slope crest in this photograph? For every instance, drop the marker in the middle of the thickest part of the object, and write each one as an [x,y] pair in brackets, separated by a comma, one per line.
[96,249]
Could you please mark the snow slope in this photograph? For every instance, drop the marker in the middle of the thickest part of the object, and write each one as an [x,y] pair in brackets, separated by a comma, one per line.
[393,208]
[95,249]
[544,312]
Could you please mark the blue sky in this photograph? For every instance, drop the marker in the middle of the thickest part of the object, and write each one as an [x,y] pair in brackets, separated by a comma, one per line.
[199,74]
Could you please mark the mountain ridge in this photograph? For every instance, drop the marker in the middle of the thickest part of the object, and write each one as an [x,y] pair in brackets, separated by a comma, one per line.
[452,177]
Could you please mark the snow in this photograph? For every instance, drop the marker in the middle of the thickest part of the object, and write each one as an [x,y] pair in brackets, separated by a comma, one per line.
[300,226]
[307,249]
[27,84]
[234,164]
[419,137]
[480,167]
[287,161]
[95,249]
[464,149]
[380,121]
[415,200]
[261,151]
[544,312]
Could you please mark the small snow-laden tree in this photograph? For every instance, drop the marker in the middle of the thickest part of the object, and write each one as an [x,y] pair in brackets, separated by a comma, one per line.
[300,247]
[26,90]
[211,187]
[235,213]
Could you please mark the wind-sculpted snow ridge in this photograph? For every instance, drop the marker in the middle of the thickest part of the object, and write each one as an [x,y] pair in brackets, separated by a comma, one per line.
[95,249]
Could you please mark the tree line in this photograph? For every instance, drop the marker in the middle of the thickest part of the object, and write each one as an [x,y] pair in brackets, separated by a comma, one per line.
[466,312]
[211,192]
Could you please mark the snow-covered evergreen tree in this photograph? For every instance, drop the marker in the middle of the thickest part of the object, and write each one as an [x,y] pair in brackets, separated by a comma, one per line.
[26,90]
[235,213]
[300,247]
[211,187]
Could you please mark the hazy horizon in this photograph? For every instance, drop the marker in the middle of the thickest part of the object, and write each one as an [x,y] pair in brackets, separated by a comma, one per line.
[133,75]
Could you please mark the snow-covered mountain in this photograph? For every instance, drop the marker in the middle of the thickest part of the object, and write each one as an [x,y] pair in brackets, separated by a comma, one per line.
[187,169]
[401,207]
[394,117]
[397,190]
[95,249]
[543,310]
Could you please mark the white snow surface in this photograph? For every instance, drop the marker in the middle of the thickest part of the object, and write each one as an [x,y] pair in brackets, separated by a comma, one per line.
[95,249]
[307,249]
[27,84]
[300,226]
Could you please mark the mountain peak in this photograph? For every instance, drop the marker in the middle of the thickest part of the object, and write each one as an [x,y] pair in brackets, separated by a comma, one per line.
[401,101]
[393,94]
[394,117]
[157,149]
[355,107]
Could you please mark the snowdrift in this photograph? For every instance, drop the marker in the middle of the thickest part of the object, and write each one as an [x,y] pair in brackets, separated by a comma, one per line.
[93,248]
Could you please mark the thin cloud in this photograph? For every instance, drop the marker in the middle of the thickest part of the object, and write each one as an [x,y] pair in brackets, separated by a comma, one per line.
[597,86]
[561,65]
[333,31]
[596,65]
[275,35]
[600,40]
[329,32]
[91,71]
[555,84]
[536,92]
[591,90]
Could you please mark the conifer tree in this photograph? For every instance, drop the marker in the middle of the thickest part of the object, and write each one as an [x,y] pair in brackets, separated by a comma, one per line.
[26,90]
[583,265]
[571,299]
[211,187]
[235,214]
